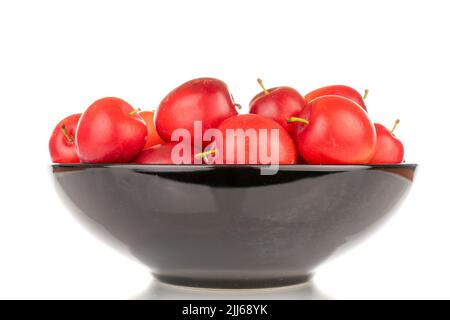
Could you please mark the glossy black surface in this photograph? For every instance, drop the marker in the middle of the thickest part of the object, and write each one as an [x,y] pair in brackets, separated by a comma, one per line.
[229,226]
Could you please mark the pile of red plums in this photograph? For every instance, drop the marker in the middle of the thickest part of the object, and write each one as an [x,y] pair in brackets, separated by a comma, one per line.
[329,125]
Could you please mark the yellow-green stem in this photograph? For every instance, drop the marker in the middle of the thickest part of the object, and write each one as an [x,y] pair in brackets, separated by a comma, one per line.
[366,93]
[66,134]
[395,125]
[134,111]
[262,86]
[296,119]
[206,153]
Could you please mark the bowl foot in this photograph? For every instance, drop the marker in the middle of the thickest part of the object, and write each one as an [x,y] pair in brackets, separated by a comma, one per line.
[233,283]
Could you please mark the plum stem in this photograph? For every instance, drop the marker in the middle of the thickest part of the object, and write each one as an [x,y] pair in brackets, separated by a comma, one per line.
[131,113]
[66,134]
[366,93]
[205,153]
[236,105]
[296,119]
[262,86]
[395,125]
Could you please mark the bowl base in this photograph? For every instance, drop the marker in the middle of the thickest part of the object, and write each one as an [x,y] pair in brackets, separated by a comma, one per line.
[233,283]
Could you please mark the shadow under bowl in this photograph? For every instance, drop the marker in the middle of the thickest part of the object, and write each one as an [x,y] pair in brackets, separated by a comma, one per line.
[229,226]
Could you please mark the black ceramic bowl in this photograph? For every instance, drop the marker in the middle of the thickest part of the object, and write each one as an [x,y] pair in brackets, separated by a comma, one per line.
[230,226]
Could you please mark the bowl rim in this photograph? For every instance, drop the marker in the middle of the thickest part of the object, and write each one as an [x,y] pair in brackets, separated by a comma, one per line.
[281,167]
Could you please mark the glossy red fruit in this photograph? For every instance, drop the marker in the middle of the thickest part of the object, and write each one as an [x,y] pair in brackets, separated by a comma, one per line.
[284,144]
[337,131]
[153,137]
[338,90]
[278,104]
[62,140]
[389,149]
[205,99]
[162,154]
[110,131]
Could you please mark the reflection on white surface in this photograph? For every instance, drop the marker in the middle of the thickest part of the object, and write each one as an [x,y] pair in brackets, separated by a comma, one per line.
[161,291]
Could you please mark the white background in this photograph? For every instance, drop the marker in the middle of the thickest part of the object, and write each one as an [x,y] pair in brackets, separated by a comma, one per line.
[56,57]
